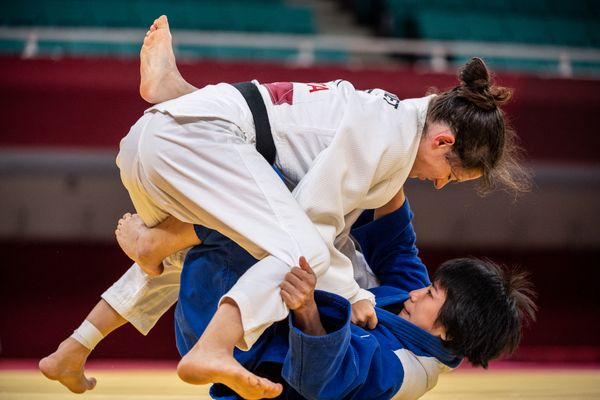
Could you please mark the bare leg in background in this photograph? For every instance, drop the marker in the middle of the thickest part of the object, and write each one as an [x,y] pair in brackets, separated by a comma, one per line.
[66,365]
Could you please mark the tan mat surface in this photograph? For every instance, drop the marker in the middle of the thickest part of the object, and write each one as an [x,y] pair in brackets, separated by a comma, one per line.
[164,384]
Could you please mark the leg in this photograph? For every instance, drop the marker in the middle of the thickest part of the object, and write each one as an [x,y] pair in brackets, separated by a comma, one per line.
[148,247]
[203,172]
[192,176]
[160,78]
[211,359]
[143,302]
[67,363]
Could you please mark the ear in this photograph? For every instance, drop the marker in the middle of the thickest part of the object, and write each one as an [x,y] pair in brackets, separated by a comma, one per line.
[440,331]
[443,335]
[444,139]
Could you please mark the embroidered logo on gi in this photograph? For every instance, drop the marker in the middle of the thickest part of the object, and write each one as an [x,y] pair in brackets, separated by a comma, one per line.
[391,99]
[315,87]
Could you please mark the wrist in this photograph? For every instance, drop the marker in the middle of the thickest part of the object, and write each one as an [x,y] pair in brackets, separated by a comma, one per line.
[306,311]
[308,320]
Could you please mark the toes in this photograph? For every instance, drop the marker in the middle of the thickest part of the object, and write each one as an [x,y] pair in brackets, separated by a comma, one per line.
[268,388]
[162,22]
[91,383]
[275,391]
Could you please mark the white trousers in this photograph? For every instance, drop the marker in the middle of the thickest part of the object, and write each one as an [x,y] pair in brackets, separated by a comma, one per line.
[208,172]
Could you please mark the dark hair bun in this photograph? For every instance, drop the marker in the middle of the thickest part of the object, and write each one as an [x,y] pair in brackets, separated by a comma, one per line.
[477,87]
[475,74]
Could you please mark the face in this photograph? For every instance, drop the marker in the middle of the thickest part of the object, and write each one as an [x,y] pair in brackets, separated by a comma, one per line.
[432,161]
[423,307]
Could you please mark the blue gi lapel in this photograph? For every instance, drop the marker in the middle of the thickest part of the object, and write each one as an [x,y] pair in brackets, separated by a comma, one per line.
[415,339]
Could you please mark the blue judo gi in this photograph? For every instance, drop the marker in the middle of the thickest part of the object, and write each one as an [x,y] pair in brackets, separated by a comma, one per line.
[395,360]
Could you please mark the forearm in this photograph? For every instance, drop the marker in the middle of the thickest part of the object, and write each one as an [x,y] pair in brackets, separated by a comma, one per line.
[308,320]
[323,366]
[389,246]
[391,206]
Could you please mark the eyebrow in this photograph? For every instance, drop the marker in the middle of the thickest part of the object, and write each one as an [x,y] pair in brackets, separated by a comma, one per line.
[434,288]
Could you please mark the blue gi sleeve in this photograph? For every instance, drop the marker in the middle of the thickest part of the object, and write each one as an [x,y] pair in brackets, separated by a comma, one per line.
[343,363]
[389,246]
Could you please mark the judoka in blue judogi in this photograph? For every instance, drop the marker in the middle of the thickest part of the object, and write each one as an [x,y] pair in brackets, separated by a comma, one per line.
[397,359]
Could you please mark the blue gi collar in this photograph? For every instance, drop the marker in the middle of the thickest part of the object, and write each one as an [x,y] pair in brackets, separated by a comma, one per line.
[415,339]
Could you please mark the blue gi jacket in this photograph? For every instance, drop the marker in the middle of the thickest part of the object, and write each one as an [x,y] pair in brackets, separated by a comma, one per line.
[395,360]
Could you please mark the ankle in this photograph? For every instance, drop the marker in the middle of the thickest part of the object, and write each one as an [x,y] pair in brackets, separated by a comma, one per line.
[147,248]
[72,345]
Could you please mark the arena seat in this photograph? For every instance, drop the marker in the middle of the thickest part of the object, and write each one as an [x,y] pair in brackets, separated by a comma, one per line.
[253,15]
[526,29]
[569,32]
[486,27]
[269,16]
[547,22]
[434,24]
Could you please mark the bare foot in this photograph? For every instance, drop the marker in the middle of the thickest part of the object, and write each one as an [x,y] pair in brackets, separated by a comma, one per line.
[160,78]
[200,367]
[131,234]
[66,366]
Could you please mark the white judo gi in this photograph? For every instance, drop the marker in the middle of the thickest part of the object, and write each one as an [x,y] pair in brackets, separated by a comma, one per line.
[194,158]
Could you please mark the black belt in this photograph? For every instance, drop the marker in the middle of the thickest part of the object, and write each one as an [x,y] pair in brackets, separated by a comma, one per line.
[264,138]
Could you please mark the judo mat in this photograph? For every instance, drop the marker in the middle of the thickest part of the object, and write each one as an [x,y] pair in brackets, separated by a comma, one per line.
[149,381]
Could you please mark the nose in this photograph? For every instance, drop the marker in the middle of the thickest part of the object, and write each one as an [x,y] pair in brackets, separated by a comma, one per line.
[440,183]
[415,294]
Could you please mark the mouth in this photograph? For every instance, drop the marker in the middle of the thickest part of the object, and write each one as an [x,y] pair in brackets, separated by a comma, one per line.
[405,313]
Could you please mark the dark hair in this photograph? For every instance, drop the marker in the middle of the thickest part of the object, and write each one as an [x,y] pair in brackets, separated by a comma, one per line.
[485,309]
[484,138]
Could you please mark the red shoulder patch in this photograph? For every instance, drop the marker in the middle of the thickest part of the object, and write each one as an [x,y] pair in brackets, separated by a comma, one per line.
[281,92]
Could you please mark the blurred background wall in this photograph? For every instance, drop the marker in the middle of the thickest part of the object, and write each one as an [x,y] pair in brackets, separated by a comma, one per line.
[69,78]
